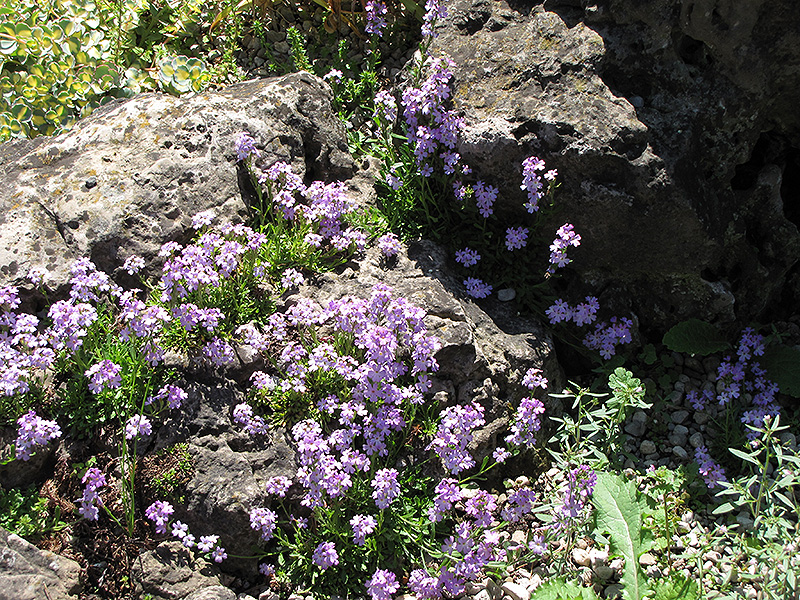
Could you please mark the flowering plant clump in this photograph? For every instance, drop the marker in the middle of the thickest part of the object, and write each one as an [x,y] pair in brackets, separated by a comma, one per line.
[605,337]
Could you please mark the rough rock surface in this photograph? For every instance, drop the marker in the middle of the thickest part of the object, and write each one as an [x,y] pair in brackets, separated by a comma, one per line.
[131,176]
[171,572]
[674,127]
[27,573]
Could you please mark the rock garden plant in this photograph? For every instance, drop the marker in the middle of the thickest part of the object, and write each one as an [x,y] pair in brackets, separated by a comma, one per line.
[400,485]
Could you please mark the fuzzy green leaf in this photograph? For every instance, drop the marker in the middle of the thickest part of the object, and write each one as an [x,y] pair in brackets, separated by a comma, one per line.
[619,513]
[676,587]
[695,337]
[560,589]
[782,364]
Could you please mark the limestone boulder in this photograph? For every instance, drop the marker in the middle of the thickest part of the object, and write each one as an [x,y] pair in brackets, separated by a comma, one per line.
[130,177]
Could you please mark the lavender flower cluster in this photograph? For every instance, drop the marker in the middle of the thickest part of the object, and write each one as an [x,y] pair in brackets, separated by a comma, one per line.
[34,431]
[159,512]
[605,337]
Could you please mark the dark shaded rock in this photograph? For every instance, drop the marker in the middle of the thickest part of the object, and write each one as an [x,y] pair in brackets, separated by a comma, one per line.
[27,573]
[674,127]
[155,161]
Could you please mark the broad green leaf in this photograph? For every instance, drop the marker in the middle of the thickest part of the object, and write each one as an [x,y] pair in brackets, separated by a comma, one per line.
[619,513]
[676,587]
[782,364]
[560,589]
[695,337]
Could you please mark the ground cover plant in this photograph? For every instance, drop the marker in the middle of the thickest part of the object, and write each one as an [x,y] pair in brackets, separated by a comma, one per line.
[390,495]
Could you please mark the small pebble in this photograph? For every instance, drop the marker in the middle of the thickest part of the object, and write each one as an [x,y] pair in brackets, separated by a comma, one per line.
[612,591]
[700,417]
[647,559]
[604,572]
[679,452]
[516,591]
[696,440]
[680,416]
[506,294]
[581,557]
[647,447]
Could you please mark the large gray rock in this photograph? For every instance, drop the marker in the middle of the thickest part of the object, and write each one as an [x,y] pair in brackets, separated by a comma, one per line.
[27,573]
[130,176]
[230,467]
[674,128]
[171,572]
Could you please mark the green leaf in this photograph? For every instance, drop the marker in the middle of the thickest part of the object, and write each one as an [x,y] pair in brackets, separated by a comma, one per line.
[676,587]
[749,457]
[782,364]
[723,508]
[695,337]
[619,513]
[560,589]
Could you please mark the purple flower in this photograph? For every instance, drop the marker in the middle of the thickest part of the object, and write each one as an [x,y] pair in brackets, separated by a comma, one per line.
[467,257]
[219,554]
[520,503]
[565,237]
[180,530]
[710,470]
[477,288]
[485,196]
[385,487]
[174,395]
[245,146]
[579,488]
[362,527]
[219,352]
[137,425]
[607,336]
[94,480]
[253,424]
[325,555]
[516,238]
[133,264]
[447,493]
[532,182]
[104,375]
[375,21]
[334,74]
[538,545]
[36,275]
[526,422]
[586,312]
[278,485]
[207,542]
[424,586]
[393,181]
[264,521]
[382,585]
[390,245]
[480,507]
[533,378]
[34,431]
[434,10]
[501,455]
[203,219]
[159,512]
[266,569]
[292,278]
[454,435]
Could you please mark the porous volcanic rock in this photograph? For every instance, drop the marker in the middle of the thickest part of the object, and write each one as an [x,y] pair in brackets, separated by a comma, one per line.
[130,176]
[674,128]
